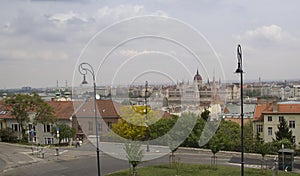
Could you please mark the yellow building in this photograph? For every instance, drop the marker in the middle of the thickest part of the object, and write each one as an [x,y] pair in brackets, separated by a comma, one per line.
[268,114]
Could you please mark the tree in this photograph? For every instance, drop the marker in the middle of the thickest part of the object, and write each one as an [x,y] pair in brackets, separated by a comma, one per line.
[205,114]
[26,108]
[228,136]
[65,132]
[134,154]
[193,139]
[249,140]
[132,124]
[215,147]
[284,132]
[129,130]
[263,149]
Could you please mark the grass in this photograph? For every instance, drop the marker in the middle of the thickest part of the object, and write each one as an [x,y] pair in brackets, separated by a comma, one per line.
[199,170]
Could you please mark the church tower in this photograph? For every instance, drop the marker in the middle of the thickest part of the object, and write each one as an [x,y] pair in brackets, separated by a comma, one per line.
[198,80]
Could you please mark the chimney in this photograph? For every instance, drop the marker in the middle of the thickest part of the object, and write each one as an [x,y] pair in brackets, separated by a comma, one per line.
[275,106]
[258,100]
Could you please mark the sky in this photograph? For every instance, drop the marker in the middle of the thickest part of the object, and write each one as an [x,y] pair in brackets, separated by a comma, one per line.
[130,41]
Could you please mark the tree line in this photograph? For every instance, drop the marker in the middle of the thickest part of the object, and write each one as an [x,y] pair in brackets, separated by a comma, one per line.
[227,137]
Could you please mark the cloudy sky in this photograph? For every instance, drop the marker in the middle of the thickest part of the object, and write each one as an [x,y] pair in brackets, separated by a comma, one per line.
[44,40]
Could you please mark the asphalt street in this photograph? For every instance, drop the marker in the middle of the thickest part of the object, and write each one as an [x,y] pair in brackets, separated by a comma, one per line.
[19,161]
[2,164]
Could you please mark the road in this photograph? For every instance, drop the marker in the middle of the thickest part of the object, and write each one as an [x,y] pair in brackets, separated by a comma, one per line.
[82,161]
[2,164]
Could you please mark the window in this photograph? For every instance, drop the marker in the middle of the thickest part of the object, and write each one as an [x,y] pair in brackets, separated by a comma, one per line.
[292,124]
[259,128]
[15,127]
[281,118]
[31,127]
[90,126]
[47,128]
[109,125]
[269,131]
[269,118]
[3,112]
[48,140]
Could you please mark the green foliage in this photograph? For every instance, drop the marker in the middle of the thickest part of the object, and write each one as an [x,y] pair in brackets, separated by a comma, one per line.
[249,141]
[284,132]
[128,130]
[276,145]
[215,145]
[134,154]
[194,137]
[263,148]
[65,132]
[7,135]
[205,114]
[228,136]
[24,105]
[161,127]
[132,125]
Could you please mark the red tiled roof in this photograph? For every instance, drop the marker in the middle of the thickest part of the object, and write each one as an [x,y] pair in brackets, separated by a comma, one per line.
[65,109]
[106,108]
[289,108]
[4,112]
[282,108]
[62,109]
[259,108]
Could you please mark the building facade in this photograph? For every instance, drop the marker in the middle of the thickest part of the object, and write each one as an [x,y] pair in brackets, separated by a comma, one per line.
[268,114]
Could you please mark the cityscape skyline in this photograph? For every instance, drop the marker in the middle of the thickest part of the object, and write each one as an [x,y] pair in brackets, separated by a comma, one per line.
[43,40]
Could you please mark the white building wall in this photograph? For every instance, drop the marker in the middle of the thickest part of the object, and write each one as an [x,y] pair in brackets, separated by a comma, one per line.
[275,122]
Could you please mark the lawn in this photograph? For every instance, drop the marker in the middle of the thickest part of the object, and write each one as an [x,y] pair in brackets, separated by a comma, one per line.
[198,170]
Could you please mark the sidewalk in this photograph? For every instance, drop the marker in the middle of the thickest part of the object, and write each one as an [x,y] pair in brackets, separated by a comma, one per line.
[17,155]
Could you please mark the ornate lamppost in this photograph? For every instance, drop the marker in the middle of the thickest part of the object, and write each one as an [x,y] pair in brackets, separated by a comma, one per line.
[240,70]
[84,68]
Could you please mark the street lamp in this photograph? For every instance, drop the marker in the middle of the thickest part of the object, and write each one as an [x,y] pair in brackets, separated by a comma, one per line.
[84,68]
[240,70]
[146,112]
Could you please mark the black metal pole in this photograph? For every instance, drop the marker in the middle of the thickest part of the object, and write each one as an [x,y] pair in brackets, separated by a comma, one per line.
[242,126]
[83,70]
[146,111]
[97,135]
[240,70]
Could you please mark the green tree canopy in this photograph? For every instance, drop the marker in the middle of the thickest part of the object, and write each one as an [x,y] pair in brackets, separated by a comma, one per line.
[132,124]
[228,136]
[284,132]
[205,114]
[65,132]
[194,137]
[29,108]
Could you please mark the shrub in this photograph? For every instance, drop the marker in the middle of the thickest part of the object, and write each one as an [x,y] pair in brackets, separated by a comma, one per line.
[7,135]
